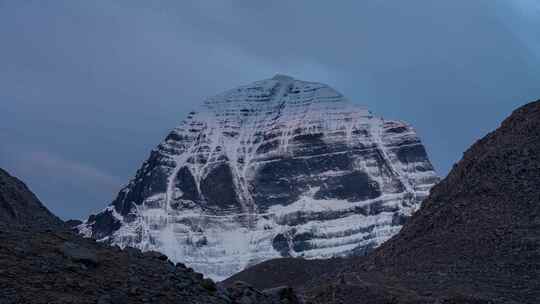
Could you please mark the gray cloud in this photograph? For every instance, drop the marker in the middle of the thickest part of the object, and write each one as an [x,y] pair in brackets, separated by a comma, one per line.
[63,184]
[56,167]
[101,82]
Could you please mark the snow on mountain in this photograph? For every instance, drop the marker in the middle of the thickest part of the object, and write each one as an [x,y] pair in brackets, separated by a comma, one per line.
[279,167]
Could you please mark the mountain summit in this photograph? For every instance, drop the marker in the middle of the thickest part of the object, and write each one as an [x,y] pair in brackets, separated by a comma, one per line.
[277,168]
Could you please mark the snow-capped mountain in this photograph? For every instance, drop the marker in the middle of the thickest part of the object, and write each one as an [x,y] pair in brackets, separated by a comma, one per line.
[279,167]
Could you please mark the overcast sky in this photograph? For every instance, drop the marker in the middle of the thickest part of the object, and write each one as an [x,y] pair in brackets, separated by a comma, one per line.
[88,88]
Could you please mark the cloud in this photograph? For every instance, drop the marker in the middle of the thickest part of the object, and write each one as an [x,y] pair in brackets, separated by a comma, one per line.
[88,88]
[54,165]
[527,25]
[69,188]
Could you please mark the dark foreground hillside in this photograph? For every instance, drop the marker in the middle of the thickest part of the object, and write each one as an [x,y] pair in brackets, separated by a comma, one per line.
[476,238]
[19,206]
[43,262]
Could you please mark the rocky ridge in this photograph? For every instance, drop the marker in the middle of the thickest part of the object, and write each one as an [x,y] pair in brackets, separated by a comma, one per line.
[19,206]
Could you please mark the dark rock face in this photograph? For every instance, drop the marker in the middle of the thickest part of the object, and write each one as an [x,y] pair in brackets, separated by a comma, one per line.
[218,188]
[43,262]
[275,182]
[186,182]
[277,168]
[105,222]
[355,186]
[476,238]
[281,244]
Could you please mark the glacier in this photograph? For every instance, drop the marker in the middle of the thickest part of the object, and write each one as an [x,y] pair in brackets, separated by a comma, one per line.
[277,168]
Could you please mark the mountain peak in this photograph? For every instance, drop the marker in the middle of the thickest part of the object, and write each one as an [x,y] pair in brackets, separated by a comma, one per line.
[282,77]
[270,169]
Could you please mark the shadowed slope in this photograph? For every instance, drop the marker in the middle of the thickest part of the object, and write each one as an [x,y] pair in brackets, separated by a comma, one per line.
[479,230]
[21,207]
[42,261]
[294,272]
